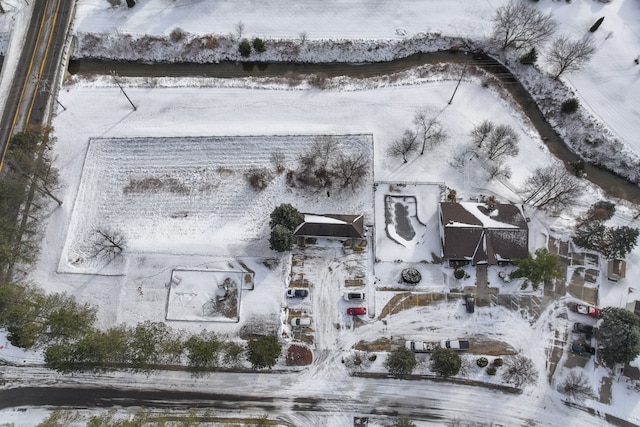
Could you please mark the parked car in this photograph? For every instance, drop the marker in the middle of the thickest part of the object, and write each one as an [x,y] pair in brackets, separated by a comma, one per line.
[583,328]
[301,321]
[297,293]
[583,349]
[356,311]
[589,310]
[421,346]
[470,302]
[354,296]
[455,344]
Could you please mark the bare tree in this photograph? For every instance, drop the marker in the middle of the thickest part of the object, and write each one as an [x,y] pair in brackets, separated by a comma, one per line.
[498,170]
[480,132]
[576,387]
[240,29]
[108,244]
[405,145]
[520,26]
[314,164]
[552,188]
[428,130]
[567,56]
[503,141]
[350,170]
[519,370]
[278,160]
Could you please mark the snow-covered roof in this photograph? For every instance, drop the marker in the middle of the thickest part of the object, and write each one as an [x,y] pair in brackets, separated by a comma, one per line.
[471,231]
[331,225]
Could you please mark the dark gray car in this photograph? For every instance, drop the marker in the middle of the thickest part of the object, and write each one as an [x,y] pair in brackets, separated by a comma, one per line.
[582,328]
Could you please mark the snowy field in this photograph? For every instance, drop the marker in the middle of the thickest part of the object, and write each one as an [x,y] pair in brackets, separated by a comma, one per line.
[205,134]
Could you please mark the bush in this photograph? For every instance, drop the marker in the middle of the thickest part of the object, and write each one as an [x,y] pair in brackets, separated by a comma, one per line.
[458,273]
[259,178]
[131,3]
[372,358]
[319,80]
[529,58]
[400,362]
[569,106]
[177,34]
[491,370]
[482,362]
[445,362]
[497,362]
[258,45]
[244,48]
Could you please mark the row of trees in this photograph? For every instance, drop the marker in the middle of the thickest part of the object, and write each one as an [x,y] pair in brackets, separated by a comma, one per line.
[150,345]
[612,242]
[517,26]
[519,370]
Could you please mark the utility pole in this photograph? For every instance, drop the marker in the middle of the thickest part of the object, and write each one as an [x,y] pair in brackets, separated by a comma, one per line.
[45,87]
[113,73]
[459,80]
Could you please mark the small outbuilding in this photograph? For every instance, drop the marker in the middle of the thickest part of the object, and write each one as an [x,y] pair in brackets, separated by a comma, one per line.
[330,226]
[616,269]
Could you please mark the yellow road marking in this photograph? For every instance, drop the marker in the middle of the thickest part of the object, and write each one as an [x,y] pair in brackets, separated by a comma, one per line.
[15,117]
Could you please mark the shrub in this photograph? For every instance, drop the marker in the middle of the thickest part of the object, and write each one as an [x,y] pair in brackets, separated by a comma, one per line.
[529,58]
[497,362]
[458,273]
[258,45]
[244,48]
[491,370]
[400,362]
[445,362]
[372,358]
[319,80]
[131,3]
[115,3]
[177,34]
[482,362]
[569,106]
[259,178]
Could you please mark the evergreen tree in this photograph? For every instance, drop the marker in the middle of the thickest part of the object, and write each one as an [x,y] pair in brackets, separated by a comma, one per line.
[621,241]
[285,215]
[618,336]
[445,362]
[400,362]
[131,3]
[541,269]
[596,25]
[202,351]
[281,239]
[264,351]
[244,48]
[258,45]
[530,57]
[591,235]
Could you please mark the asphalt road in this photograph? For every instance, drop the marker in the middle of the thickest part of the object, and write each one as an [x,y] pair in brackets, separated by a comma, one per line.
[610,182]
[37,69]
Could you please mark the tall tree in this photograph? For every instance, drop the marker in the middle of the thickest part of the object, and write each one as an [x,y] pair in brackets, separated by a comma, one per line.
[553,188]
[481,132]
[518,25]
[202,351]
[567,56]
[400,362]
[576,386]
[264,351]
[350,170]
[285,215]
[519,370]
[429,131]
[407,144]
[445,362]
[541,269]
[618,336]
[502,141]
[281,239]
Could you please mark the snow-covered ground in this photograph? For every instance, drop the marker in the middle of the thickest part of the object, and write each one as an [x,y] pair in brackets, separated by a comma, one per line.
[205,131]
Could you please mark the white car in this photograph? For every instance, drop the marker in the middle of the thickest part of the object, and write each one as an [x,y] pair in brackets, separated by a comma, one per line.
[301,322]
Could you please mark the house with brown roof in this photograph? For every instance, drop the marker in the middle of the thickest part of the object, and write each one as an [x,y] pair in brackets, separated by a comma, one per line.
[330,226]
[479,233]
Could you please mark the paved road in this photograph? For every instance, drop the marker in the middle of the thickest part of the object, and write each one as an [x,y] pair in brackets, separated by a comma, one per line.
[37,70]
[609,182]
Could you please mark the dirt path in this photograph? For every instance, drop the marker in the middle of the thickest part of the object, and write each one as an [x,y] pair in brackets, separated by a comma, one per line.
[611,183]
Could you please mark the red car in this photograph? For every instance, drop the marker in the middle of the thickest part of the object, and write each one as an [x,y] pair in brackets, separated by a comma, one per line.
[589,310]
[355,311]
